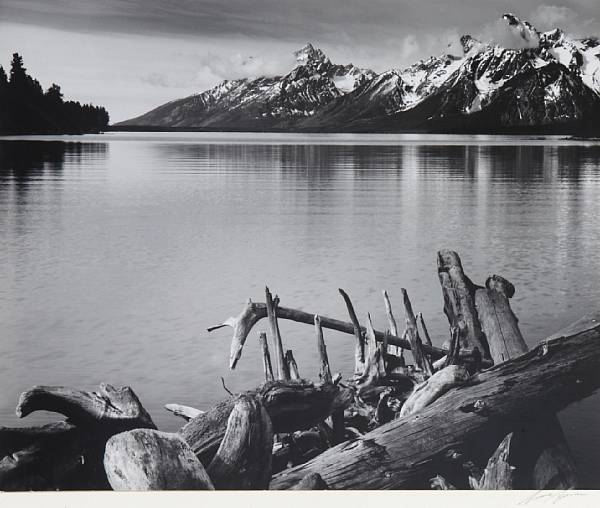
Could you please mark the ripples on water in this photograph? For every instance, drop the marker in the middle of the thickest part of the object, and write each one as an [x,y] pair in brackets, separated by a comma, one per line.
[118,251]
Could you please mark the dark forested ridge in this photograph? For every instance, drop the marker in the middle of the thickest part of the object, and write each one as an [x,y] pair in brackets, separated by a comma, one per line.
[26,109]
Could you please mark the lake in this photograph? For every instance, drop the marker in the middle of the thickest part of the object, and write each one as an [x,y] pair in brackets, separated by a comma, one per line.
[117,251]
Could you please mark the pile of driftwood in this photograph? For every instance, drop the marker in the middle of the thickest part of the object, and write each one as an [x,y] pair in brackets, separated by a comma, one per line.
[476,413]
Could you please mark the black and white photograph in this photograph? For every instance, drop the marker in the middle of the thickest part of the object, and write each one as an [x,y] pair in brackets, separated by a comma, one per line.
[325,245]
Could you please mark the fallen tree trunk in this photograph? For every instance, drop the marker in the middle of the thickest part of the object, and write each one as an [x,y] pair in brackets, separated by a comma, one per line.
[291,406]
[407,452]
[255,311]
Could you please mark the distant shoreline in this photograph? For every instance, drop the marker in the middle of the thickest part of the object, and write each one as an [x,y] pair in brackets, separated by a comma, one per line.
[566,130]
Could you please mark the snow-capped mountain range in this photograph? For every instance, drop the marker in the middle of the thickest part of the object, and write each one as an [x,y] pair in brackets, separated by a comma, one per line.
[551,84]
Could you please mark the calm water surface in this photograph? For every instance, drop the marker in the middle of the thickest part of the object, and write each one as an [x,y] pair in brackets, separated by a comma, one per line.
[117,251]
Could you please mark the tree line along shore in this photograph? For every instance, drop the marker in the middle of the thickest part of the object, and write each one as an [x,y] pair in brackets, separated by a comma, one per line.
[25,108]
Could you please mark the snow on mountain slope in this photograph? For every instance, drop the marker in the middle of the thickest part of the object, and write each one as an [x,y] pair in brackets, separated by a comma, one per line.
[539,79]
[313,83]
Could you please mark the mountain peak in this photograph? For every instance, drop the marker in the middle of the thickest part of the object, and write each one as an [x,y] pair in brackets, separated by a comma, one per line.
[525,30]
[468,43]
[308,53]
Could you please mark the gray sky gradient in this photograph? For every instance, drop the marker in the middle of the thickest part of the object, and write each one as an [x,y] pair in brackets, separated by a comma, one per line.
[132,55]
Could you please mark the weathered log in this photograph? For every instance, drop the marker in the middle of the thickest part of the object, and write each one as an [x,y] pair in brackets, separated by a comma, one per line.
[292,405]
[185,412]
[359,348]
[421,359]
[405,453]
[498,322]
[311,481]
[281,366]
[267,367]
[255,311]
[292,366]
[432,389]
[243,460]
[499,474]
[111,409]
[391,321]
[301,405]
[145,459]
[459,301]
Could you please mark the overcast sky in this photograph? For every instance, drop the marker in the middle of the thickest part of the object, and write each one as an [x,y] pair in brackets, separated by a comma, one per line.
[133,55]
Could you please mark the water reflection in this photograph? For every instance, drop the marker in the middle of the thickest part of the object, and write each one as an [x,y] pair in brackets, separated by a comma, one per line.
[116,255]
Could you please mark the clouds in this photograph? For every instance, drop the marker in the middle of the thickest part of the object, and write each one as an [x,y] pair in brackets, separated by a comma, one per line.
[134,54]
[548,17]
[237,65]
[512,36]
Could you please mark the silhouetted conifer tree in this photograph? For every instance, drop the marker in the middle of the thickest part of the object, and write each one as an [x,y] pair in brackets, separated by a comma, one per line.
[26,109]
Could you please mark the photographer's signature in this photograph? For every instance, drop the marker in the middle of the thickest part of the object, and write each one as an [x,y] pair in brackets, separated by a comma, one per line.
[552,497]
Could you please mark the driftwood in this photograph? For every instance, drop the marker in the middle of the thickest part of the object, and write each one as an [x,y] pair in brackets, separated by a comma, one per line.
[67,455]
[497,319]
[114,409]
[432,389]
[324,369]
[255,311]
[391,320]
[282,370]
[440,483]
[359,347]
[290,405]
[424,328]
[186,412]
[375,354]
[459,304]
[405,453]
[499,474]
[146,459]
[243,460]
[433,424]
[421,359]
[311,481]
[337,417]
[292,366]
[545,460]
[267,367]
[453,357]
